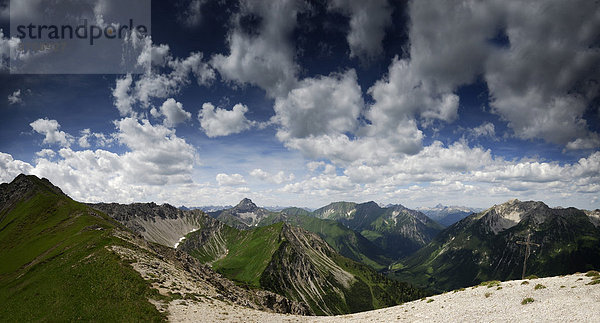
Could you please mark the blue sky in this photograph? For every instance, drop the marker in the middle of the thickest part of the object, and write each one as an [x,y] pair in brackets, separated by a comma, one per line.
[308,102]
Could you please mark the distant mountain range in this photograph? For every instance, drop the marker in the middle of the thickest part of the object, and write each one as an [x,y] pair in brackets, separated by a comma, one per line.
[397,230]
[448,215]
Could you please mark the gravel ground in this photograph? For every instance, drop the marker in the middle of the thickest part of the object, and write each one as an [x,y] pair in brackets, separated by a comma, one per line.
[566,298]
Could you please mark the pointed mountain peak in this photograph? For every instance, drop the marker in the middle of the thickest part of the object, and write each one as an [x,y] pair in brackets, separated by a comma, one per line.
[24,186]
[245,205]
[398,207]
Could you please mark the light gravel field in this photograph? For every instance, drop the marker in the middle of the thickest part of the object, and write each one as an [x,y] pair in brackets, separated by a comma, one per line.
[565,299]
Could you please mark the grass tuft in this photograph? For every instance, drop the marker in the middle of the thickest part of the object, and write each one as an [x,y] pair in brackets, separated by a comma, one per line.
[527,301]
[491,283]
[525,282]
[539,286]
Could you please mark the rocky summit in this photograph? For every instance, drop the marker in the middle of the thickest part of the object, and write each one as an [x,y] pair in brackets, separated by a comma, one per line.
[244,215]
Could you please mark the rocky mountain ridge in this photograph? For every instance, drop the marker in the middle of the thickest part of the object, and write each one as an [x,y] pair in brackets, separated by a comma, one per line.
[484,246]
[163,224]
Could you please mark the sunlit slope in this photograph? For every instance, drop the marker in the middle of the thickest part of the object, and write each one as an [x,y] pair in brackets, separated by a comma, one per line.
[54,265]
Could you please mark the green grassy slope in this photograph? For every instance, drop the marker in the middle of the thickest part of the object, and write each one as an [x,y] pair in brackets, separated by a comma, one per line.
[249,254]
[55,265]
[347,242]
[288,260]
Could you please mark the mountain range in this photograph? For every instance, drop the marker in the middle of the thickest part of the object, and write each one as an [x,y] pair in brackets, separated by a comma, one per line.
[484,246]
[278,257]
[372,234]
[63,259]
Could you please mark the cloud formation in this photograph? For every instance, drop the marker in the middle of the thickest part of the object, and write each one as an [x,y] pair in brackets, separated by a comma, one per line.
[15,97]
[368,20]
[538,60]
[221,122]
[278,178]
[49,128]
[266,58]
[172,111]
[165,76]
[230,179]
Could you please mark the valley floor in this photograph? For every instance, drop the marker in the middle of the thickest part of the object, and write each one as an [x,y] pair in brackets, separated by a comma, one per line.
[567,298]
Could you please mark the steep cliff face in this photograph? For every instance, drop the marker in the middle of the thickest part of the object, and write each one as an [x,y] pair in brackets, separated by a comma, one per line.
[484,246]
[162,224]
[397,230]
[297,264]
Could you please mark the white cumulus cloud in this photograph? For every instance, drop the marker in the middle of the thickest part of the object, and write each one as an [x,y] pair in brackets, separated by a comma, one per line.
[173,112]
[230,179]
[277,178]
[15,97]
[49,128]
[221,122]
[265,59]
